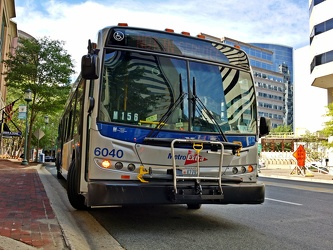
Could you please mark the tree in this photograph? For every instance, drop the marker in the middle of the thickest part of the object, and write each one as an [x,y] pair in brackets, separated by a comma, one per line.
[282,128]
[43,66]
[328,129]
[313,143]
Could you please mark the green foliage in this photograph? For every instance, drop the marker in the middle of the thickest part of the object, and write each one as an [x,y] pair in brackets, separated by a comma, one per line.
[44,67]
[282,128]
[313,142]
[328,129]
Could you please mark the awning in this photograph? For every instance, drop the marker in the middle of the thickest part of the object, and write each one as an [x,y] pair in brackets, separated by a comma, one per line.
[7,132]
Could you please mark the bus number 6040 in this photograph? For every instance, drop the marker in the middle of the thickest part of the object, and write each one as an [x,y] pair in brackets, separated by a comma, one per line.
[108,152]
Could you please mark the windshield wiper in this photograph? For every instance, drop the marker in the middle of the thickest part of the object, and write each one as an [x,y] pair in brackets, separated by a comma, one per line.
[165,117]
[200,107]
[208,116]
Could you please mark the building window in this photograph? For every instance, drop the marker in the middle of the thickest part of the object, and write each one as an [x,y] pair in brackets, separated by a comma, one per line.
[322,59]
[314,3]
[321,28]
[2,34]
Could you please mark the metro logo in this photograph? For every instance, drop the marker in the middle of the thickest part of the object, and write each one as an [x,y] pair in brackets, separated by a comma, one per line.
[190,158]
[193,158]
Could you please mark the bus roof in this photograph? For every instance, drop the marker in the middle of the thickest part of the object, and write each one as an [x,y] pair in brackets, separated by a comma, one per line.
[169,42]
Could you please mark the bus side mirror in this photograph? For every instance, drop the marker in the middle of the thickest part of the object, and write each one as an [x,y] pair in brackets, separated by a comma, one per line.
[88,67]
[264,126]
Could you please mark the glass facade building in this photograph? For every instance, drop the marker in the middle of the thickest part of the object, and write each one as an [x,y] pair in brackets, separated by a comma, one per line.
[282,62]
[272,67]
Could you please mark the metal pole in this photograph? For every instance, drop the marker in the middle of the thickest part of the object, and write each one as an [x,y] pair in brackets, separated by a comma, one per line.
[25,161]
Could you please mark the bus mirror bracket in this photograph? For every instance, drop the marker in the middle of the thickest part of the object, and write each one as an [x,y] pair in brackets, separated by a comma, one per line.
[91,104]
[264,126]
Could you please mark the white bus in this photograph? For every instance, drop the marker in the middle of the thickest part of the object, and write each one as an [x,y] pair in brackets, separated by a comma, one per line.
[157,117]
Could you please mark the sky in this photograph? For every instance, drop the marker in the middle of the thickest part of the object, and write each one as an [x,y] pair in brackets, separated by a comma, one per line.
[284,22]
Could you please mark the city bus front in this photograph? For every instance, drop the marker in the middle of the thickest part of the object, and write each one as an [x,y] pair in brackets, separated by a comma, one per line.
[172,127]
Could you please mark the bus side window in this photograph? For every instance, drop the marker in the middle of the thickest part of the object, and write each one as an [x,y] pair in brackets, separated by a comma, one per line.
[78,108]
[70,125]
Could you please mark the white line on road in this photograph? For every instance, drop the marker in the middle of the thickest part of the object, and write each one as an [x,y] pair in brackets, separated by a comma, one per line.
[287,202]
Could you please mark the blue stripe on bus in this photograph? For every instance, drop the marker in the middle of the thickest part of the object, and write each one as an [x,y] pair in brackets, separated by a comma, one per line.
[137,134]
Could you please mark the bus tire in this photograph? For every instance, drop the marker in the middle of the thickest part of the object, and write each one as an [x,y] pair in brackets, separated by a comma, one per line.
[193,206]
[59,175]
[75,199]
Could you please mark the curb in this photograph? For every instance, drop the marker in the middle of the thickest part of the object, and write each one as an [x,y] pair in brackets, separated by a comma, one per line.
[64,236]
[296,178]
[80,230]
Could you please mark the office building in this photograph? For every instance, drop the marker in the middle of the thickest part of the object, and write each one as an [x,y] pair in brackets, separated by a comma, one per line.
[321,45]
[8,39]
[272,67]
[321,51]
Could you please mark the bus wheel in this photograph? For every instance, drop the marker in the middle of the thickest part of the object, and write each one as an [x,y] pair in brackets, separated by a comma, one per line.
[76,199]
[193,206]
[59,175]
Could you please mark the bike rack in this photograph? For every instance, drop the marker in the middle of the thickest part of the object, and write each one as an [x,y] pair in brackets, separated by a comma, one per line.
[197,146]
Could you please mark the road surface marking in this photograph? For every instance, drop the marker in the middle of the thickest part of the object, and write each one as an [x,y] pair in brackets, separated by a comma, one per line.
[287,202]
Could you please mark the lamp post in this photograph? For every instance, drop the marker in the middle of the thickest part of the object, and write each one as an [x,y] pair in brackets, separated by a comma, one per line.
[27,98]
[46,120]
[40,135]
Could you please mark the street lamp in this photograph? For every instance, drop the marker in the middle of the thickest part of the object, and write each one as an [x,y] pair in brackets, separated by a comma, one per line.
[46,120]
[27,98]
[40,135]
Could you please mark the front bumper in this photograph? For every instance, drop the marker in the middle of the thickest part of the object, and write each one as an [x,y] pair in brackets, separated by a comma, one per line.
[109,193]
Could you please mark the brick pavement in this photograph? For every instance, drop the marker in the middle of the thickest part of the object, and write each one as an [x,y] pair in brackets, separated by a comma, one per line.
[26,214]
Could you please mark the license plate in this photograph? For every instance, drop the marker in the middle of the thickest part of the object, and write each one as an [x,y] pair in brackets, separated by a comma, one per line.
[189,171]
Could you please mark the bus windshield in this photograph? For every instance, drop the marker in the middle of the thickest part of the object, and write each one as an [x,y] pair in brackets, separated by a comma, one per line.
[150,90]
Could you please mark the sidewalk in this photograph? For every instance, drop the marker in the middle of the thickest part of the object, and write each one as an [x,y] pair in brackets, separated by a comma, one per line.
[286,174]
[27,220]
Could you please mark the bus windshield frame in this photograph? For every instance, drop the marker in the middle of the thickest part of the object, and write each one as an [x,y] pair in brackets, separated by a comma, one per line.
[165,92]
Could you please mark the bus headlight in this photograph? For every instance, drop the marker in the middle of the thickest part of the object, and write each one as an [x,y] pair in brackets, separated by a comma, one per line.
[118,165]
[234,170]
[131,167]
[243,170]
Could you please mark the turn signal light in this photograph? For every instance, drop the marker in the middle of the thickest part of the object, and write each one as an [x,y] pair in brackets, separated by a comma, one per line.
[106,164]
[123,24]
[250,168]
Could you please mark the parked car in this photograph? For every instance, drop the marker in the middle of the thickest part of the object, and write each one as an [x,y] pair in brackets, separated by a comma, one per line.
[49,158]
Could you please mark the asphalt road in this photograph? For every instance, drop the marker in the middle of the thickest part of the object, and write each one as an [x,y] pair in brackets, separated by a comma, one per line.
[295,215]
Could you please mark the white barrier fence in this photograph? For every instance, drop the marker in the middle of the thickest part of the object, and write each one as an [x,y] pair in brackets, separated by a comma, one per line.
[286,160]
